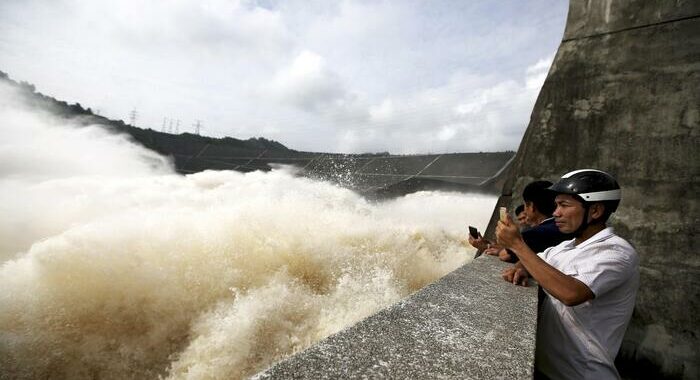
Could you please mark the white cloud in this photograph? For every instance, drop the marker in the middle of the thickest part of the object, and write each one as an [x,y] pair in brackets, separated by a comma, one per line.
[493,116]
[382,112]
[447,132]
[537,73]
[396,73]
[307,83]
[540,66]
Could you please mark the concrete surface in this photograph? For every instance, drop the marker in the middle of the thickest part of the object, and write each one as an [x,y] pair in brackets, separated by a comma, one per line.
[469,325]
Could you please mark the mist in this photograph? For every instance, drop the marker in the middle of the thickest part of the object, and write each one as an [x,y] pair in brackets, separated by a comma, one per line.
[115,266]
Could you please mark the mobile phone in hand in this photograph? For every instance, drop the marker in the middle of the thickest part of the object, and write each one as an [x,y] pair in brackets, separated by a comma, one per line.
[473,232]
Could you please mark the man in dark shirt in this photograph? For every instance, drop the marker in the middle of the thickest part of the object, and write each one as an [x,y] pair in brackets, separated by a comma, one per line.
[539,205]
[543,233]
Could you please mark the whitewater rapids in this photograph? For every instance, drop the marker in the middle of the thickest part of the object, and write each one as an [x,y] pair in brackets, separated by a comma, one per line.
[112,266]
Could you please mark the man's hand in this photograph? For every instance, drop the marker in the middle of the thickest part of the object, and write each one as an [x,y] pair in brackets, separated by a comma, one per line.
[508,234]
[480,243]
[504,255]
[492,251]
[515,275]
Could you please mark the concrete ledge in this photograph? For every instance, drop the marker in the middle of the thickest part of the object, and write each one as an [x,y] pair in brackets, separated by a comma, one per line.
[469,324]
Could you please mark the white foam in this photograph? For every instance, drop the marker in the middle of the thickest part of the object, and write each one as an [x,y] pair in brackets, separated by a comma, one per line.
[145,273]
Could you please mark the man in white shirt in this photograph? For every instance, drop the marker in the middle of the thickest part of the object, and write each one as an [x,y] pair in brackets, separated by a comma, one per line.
[590,282]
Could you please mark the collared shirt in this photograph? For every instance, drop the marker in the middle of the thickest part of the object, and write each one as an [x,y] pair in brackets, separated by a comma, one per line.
[581,342]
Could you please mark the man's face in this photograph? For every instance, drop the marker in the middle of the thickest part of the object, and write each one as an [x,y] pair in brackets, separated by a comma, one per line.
[568,214]
[529,211]
[522,219]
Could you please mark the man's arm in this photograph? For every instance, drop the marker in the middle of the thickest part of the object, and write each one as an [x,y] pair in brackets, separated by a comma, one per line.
[566,289]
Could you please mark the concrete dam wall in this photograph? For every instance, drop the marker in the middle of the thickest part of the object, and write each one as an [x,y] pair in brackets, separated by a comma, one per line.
[622,95]
[379,175]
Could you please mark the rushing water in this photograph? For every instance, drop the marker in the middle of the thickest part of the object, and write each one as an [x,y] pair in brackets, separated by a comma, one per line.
[114,267]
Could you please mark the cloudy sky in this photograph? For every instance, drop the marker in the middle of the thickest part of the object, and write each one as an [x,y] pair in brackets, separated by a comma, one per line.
[401,76]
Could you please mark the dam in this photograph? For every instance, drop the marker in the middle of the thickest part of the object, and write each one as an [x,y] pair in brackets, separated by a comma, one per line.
[622,95]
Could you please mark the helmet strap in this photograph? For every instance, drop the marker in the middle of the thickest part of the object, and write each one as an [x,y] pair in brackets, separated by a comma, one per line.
[584,222]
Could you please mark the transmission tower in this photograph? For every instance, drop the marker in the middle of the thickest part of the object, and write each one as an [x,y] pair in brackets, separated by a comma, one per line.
[177,127]
[197,127]
[132,117]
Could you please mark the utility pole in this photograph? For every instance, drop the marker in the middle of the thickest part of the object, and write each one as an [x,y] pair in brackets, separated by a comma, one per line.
[162,129]
[132,117]
[177,127]
[170,126]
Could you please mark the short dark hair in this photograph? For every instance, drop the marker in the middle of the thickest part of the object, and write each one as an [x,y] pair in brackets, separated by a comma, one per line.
[519,209]
[542,198]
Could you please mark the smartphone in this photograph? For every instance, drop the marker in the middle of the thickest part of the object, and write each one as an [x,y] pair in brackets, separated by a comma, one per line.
[473,232]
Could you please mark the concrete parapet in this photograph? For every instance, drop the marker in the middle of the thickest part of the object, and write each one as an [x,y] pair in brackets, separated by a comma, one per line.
[469,324]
